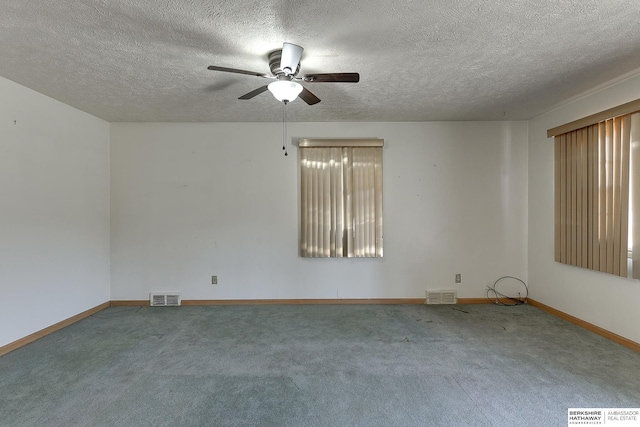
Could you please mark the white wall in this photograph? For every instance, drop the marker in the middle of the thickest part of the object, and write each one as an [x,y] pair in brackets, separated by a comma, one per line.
[605,300]
[54,211]
[189,200]
[192,200]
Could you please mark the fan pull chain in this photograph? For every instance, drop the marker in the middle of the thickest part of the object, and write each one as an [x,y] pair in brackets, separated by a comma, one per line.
[284,127]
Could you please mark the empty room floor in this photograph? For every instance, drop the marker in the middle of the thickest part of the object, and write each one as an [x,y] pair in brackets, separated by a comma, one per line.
[315,365]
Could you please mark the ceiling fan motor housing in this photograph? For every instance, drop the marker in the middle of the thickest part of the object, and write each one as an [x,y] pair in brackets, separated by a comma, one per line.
[274,64]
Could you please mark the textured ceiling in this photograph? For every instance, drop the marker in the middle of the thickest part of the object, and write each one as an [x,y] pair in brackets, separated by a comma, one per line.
[146,60]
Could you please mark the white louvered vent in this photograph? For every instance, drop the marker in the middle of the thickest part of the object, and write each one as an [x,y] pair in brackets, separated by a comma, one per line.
[164,299]
[441,297]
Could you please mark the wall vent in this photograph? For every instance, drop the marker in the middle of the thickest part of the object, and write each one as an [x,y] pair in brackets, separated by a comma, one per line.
[441,297]
[165,299]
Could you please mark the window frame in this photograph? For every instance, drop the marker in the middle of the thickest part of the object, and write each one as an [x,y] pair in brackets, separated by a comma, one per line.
[341,212]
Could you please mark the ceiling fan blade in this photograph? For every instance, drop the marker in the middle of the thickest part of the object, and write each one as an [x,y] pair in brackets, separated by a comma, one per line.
[234,70]
[254,93]
[308,97]
[290,58]
[332,77]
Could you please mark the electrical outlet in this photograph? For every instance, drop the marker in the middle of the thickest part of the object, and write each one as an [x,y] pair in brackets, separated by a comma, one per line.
[458,278]
[214,280]
[339,293]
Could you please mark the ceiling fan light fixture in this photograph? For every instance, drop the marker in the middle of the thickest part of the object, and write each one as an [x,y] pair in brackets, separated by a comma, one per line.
[285,90]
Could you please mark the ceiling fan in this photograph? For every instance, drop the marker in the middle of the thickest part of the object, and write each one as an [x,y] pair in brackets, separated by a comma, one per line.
[285,65]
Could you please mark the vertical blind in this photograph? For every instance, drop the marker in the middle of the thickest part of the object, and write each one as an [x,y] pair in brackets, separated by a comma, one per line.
[341,200]
[634,193]
[592,196]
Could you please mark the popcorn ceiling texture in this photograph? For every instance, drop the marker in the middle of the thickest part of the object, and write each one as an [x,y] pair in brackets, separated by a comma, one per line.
[144,60]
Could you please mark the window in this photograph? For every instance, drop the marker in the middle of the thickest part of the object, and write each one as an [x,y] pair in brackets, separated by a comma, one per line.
[596,176]
[341,198]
